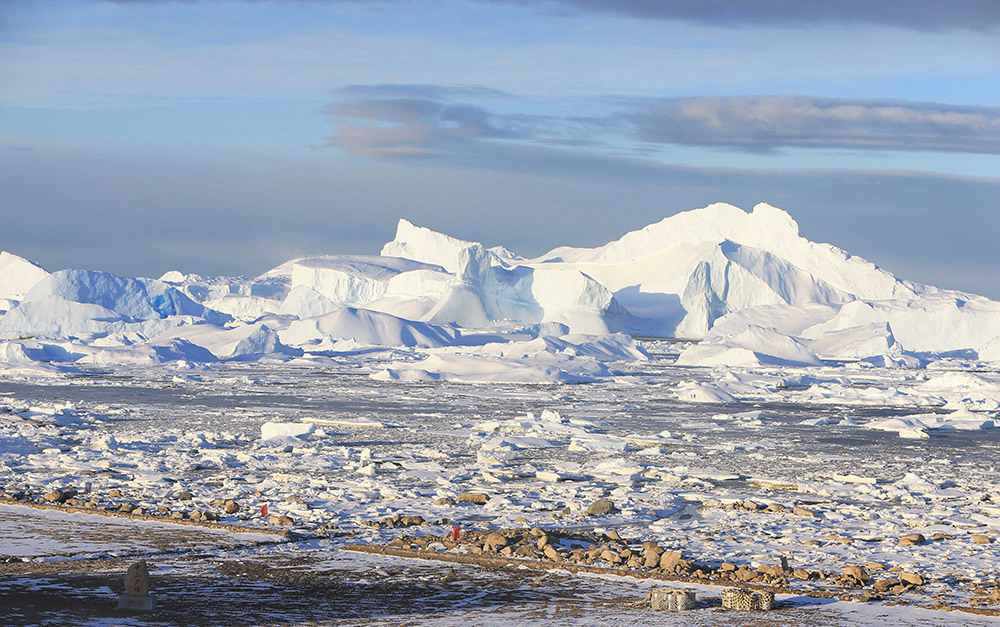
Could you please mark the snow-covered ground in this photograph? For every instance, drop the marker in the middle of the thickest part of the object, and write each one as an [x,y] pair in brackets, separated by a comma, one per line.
[819,409]
[670,445]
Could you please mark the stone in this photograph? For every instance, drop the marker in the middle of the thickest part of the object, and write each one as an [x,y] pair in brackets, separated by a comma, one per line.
[651,556]
[912,539]
[613,535]
[911,578]
[669,560]
[802,511]
[115,493]
[196,516]
[856,573]
[601,507]
[671,599]
[610,556]
[551,553]
[773,570]
[745,574]
[884,585]
[444,501]
[59,495]
[495,541]
[980,538]
[801,573]
[136,596]
[280,520]
[870,566]
[184,495]
[476,498]
[230,506]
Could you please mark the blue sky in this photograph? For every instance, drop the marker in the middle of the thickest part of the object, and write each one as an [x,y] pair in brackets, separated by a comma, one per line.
[222,137]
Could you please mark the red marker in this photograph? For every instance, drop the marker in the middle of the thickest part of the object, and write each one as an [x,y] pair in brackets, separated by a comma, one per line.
[455,531]
[263,510]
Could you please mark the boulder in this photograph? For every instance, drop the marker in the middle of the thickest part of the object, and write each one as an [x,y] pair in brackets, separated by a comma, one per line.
[476,498]
[857,573]
[912,539]
[601,507]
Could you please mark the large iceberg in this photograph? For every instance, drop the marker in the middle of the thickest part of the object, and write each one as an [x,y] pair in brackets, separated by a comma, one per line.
[746,284]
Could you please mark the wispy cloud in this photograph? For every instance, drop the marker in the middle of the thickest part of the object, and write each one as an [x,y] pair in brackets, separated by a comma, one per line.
[427,121]
[920,15]
[924,15]
[765,124]
[395,121]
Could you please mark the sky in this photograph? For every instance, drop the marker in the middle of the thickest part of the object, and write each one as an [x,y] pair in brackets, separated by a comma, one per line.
[226,136]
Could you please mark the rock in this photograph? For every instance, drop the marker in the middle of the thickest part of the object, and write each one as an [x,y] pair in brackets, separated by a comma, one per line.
[610,556]
[59,495]
[184,495]
[669,560]
[980,538]
[115,493]
[912,539]
[230,506]
[884,585]
[136,595]
[773,570]
[802,511]
[601,507]
[727,567]
[651,555]
[745,574]
[476,498]
[870,566]
[196,516]
[801,573]
[857,573]
[911,578]
[444,501]
[280,520]
[613,535]
[551,553]
[495,541]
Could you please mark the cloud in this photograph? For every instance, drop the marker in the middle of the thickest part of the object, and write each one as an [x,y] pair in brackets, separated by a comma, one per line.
[919,15]
[764,124]
[430,121]
[426,121]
